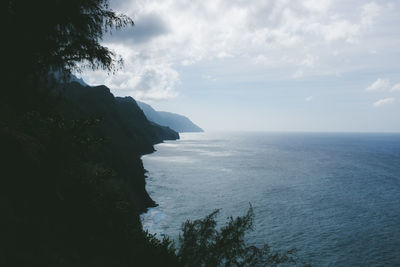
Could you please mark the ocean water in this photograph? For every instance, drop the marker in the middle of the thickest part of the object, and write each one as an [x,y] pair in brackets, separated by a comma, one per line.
[335,197]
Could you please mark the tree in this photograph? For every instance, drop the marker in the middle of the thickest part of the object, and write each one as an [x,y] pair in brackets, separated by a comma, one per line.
[202,244]
[61,33]
[47,35]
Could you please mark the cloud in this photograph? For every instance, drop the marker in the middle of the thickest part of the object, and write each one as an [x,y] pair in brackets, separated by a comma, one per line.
[308,98]
[298,74]
[209,29]
[317,5]
[384,101]
[396,87]
[336,30]
[378,85]
[381,85]
[143,77]
[156,84]
[370,12]
[147,27]
[292,37]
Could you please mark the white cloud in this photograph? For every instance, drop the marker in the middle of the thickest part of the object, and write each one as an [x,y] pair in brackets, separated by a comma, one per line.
[317,5]
[382,85]
[335,30]
[143,77]
[370,12]
[298,74]
[308,98]
[308,61]
[383,102]
[379,85]
[329,37]
[396,87]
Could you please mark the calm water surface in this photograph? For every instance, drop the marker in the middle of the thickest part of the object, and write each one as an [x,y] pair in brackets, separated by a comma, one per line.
[335,197]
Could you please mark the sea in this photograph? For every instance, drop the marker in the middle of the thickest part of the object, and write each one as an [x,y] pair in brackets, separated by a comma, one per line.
[335,197]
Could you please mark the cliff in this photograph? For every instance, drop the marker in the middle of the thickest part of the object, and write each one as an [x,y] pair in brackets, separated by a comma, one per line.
[126,129]
[174,121]
[73,184]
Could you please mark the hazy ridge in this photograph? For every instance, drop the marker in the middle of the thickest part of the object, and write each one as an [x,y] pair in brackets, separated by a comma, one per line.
[174,121]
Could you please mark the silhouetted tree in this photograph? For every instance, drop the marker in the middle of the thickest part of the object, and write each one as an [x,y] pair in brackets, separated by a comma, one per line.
[62,35]
[203,244]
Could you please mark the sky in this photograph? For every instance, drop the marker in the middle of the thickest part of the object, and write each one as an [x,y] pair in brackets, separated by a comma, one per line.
[262,65]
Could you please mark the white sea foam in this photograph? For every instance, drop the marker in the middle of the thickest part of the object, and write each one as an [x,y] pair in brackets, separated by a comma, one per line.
[178,159]
[167,145]
[152,219]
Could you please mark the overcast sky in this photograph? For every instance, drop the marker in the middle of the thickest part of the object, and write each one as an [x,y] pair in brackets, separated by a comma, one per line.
[306,65]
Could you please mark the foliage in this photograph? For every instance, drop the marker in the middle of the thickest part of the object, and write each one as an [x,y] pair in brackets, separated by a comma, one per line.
[53,37]
[202,244]
[59,34]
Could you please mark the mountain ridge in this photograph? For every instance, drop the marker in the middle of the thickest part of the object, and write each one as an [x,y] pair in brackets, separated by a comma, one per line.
[129,133]
[174,121]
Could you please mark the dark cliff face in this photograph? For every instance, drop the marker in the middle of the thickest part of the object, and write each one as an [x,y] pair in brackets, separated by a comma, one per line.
[127,132]
[72,185]
[132,112]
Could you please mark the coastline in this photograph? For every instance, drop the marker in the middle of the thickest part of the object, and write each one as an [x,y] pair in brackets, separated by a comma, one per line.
[148,200]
